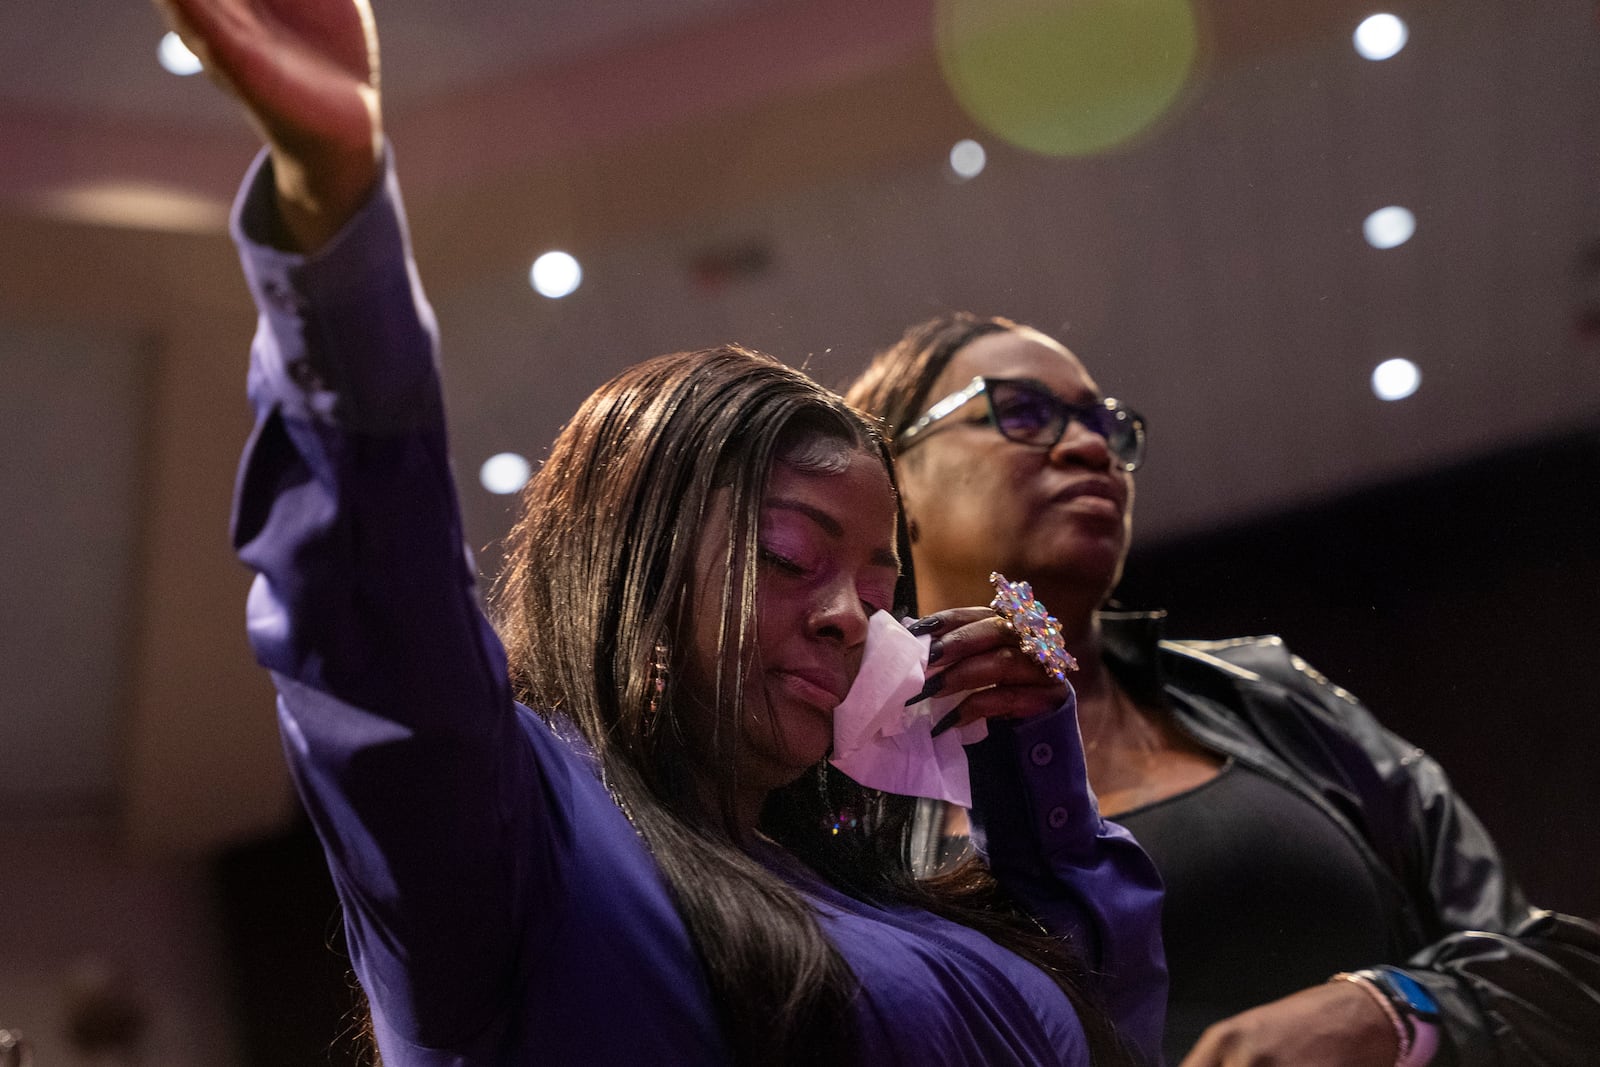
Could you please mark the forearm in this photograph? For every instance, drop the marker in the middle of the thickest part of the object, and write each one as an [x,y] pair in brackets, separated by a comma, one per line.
[346,506]
[320,189]
[1038,825]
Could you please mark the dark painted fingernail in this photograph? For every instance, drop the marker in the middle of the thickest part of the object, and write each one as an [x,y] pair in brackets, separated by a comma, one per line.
[930,687]
[935,650]
[945,723]
[925,625]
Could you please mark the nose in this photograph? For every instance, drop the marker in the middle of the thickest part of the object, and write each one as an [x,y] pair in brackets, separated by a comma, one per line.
[1082,447]
[840,615]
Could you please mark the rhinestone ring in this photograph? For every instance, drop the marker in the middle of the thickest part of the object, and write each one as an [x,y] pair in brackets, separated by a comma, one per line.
[1038,631]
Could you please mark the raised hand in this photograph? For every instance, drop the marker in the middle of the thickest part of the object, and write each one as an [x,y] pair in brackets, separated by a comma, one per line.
[307,74]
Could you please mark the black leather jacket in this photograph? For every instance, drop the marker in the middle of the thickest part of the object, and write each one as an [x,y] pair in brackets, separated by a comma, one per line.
[1516,985]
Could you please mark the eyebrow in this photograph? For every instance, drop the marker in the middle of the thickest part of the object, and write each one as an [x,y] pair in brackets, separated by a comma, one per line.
[881,557]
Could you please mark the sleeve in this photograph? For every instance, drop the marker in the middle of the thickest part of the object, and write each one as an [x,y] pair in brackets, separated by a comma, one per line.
[1037,823]
[1514,984]
[397,720]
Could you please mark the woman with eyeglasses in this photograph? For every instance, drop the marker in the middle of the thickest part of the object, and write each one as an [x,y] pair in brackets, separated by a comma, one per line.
[607,833]
[1299,841]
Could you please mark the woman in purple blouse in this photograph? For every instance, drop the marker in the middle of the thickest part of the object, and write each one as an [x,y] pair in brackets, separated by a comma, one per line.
[641,869]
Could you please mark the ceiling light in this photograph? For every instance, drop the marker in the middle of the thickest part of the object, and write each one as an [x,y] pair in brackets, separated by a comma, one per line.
[1395,379]
[967,159]
[176,57]
[1380,36]
[505,473]
[1389,227]
[556,274]
[136,205]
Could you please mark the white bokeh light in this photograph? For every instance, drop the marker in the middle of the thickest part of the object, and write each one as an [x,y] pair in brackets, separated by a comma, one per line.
[505,473]
[967,159]
[1380,36]
[176,57]
[556,274]
[1389,227]
[1395,379]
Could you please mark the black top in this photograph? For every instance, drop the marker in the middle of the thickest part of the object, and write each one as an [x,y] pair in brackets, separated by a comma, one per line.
[1264,897]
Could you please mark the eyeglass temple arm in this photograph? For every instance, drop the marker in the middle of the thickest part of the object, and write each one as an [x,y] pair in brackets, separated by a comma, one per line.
[939,411]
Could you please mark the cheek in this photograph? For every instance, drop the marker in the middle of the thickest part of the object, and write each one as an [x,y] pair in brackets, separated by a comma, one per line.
[962,493]
[938,481]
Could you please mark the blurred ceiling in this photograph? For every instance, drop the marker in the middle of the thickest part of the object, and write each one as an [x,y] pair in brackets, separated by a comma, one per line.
[773,172]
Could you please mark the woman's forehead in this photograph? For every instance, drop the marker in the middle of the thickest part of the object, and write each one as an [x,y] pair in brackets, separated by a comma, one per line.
[850,469]
[1020,353]
[857,496]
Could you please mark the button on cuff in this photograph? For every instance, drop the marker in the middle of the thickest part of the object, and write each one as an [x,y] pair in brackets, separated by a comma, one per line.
[282,296]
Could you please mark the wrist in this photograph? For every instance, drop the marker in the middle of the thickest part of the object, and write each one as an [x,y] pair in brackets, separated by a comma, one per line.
[1410,1008]
[316,198]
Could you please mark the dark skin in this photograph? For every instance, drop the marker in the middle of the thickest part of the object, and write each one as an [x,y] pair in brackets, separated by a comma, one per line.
[1062,519]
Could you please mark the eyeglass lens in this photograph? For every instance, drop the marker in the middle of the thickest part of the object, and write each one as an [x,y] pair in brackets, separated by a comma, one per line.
[1034,417]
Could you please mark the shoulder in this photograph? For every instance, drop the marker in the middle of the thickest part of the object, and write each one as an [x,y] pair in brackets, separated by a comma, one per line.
[1251,659]
[1259,686]
[1256,688]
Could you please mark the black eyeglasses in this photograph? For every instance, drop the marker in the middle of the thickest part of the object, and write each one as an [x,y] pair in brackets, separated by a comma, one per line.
[1026,412]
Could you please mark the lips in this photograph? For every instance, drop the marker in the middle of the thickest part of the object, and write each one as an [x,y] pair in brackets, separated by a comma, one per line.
[1090,489]
[814,686]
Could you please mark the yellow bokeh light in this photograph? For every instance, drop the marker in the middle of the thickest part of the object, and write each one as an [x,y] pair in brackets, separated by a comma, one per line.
[1066,77]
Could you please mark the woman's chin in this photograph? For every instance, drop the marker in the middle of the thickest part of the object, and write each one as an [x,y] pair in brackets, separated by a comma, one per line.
[1081,558]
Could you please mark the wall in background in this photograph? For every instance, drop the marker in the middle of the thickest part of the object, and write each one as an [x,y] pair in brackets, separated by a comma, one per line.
[97,943]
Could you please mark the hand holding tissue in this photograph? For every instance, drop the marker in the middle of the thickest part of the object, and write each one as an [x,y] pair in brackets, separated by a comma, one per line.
[882,743]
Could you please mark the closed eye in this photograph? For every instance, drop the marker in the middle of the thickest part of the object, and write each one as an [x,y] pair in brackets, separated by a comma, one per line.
[877,594]
[781,562]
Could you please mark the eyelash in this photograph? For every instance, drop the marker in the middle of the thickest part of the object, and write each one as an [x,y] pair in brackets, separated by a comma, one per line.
[783,563]
[790,567]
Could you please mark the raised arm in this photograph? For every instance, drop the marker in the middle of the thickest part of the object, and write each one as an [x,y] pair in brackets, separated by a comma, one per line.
[394,706]
[395,710]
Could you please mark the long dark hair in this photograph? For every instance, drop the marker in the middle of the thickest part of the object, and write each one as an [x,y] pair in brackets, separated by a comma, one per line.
[600,572]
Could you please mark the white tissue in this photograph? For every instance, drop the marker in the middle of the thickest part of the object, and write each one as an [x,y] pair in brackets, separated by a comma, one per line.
[883,744]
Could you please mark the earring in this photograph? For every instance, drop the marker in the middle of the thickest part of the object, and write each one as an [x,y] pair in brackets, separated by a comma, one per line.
[660,671]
